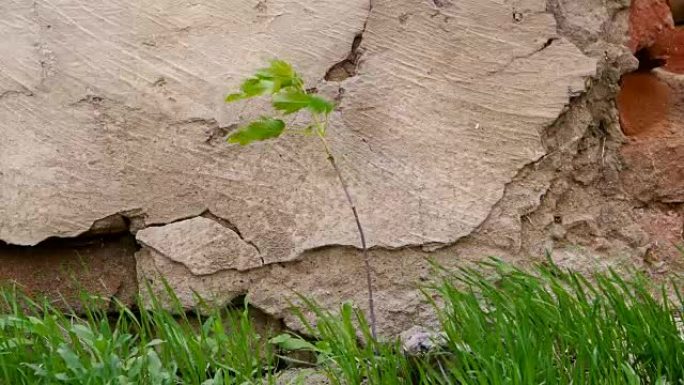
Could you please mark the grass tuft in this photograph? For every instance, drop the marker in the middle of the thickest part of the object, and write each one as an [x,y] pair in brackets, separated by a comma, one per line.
[501,325]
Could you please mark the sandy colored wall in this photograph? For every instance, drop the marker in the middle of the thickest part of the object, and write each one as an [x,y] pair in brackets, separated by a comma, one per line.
[466,129]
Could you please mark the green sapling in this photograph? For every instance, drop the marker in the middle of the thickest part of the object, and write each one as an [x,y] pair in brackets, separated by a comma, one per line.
[288,96]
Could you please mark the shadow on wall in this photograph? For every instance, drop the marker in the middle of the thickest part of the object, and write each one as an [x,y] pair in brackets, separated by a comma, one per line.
[62,269]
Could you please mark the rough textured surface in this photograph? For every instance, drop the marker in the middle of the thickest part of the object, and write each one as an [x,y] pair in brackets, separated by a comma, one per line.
[64,269]
[418,340]
[122,102]
[670,47]
[466,129]
[648,19]
[677,7]
[428,139]
[655,155]
[301,377]
[202,245]
[645,102]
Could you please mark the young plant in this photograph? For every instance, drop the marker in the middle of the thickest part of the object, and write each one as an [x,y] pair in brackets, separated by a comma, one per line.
[288,96]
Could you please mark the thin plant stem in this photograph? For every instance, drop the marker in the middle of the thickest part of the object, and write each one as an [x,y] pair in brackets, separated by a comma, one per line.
[350,201]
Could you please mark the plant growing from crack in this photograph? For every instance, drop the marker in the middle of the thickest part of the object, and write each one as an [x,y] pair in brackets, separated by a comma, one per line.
[288,96]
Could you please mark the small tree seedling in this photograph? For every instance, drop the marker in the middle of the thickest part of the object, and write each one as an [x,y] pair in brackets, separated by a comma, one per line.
[288,95]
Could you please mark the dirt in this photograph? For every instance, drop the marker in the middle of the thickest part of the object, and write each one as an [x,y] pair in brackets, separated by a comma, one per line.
[63,269]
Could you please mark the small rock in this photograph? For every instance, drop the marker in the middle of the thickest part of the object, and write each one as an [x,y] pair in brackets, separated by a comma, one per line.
[557,231]
[418,340]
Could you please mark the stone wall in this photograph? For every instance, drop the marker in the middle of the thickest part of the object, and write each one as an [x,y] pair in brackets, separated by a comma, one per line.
[466,129]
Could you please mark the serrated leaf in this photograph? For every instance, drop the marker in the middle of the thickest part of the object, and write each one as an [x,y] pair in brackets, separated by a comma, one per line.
[291,101]
[263,129]
[277,68]
[255,87]
[282,73]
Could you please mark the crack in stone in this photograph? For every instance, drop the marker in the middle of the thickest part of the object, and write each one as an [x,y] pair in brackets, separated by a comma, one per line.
[47,57]
[504,67]
[441,3]
[352,59]
[229,225]
[8,93]
[348,67]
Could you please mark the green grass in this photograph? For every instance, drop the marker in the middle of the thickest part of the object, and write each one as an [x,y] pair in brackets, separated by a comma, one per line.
[557,327]
[502,326]
[43,345]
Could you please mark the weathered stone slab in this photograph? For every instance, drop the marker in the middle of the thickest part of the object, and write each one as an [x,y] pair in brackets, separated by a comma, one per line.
[202,245]
[447,105]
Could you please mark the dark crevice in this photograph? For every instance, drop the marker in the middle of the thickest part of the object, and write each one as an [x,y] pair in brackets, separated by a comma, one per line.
[55,243]
[181,219]
[441,3]
[62,269]
[677,9]
[648,62]
[547,44]
[348,67]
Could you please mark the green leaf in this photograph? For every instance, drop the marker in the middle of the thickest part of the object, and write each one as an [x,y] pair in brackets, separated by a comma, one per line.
[38,370]
[282,73]
[272,79]
[70,359]
[324,347]
[84,333]
[265,128]
[13,343]
[289,342]
[277,68]
[320,105]
[154,342]
[255,87]
[292,100]
[234,97]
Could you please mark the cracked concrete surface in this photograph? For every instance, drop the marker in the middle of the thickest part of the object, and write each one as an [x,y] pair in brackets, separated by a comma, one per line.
[465,129]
